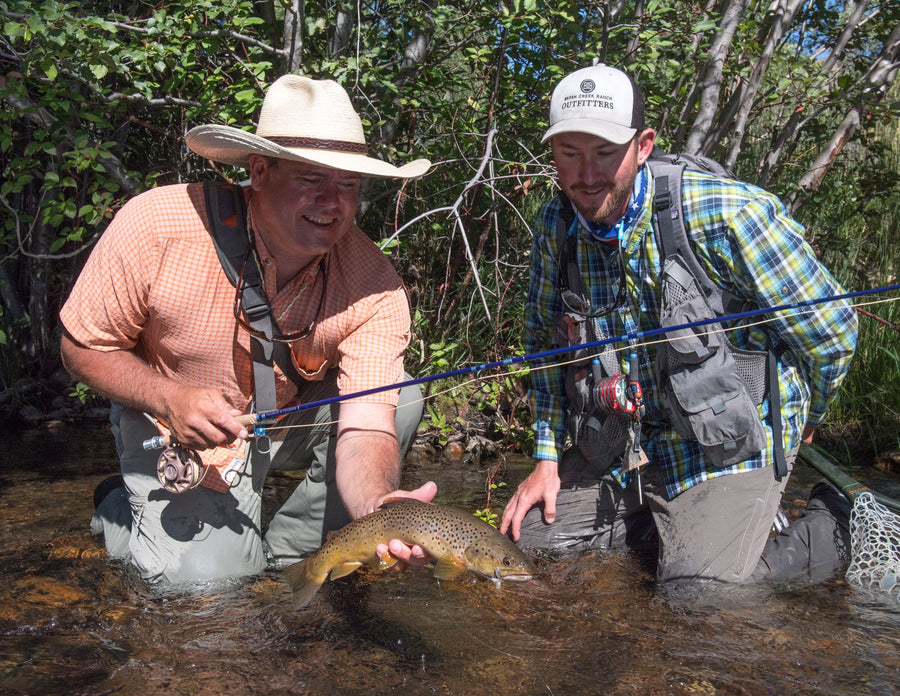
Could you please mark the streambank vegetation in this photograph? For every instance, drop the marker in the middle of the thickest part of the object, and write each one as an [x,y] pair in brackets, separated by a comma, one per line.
[794,95]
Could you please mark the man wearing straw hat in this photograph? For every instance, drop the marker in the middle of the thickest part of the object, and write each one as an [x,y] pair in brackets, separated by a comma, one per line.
[156,325]
[694,462]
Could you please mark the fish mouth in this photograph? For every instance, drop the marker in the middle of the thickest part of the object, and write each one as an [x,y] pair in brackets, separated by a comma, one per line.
[515,577]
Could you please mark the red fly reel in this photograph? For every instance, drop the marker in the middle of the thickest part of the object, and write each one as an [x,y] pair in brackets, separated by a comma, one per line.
[616,396]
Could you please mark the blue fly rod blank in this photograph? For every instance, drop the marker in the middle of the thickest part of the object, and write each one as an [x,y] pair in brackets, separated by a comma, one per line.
[260,428]
[535,357]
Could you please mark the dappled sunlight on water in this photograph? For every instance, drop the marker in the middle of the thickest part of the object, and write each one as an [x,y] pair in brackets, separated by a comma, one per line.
[73,622]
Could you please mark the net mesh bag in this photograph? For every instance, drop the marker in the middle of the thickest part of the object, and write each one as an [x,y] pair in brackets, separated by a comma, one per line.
[875,547]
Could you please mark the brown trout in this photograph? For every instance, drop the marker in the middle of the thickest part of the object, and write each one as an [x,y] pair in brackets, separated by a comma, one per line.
[458,541]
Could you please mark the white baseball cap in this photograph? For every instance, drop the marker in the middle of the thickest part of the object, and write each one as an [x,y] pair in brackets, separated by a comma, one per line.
[598,100]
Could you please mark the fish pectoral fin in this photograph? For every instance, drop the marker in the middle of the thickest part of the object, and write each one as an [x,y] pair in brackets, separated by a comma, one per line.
[448,567]
[389,561]
[393,500]
[343,569]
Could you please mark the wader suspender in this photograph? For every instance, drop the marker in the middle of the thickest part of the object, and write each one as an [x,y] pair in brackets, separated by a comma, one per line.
[673,239]
[227,214]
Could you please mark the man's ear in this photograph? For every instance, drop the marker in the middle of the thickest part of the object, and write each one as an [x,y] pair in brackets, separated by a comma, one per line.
[258,166]
[645,144]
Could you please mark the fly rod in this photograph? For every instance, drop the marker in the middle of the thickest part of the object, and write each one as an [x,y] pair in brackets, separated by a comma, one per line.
[257,419]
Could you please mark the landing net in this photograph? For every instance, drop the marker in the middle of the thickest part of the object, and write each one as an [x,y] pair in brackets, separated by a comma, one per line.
[875,546]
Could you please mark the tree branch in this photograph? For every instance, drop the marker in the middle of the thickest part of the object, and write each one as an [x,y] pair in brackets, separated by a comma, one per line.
[880,77]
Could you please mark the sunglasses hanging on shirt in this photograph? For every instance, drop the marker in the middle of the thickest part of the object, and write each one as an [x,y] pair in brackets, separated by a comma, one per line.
[578,304]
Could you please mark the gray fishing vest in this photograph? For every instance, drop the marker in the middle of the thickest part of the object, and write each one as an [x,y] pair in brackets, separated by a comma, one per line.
[709,389]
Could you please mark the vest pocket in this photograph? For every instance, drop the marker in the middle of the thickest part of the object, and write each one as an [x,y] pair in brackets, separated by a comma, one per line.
[601,442]
[708,389]
[709,402]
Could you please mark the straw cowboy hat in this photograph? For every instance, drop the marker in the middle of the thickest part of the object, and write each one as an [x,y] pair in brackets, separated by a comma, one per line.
[305,120]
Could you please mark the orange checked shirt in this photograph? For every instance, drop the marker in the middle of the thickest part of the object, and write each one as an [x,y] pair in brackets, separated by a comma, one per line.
[153,284]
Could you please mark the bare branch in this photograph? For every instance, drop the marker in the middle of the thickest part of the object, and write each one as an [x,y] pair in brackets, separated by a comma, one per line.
[880,77]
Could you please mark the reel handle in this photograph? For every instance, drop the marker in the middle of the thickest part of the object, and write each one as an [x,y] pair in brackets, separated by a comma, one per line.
[633,363]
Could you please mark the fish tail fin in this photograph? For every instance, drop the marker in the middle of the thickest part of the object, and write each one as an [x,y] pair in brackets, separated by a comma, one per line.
[304,588]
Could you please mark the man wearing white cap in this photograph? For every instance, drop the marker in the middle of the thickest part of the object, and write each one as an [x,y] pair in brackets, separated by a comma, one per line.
[675,444]
[155,324]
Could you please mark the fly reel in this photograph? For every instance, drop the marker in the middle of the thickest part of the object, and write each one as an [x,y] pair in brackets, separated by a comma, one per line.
[615,396]
[179,469]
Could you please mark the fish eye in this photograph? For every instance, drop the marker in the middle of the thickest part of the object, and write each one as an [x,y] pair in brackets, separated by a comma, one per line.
[507,561]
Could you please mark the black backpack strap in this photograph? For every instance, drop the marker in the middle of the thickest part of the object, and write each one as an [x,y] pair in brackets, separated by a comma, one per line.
[565,245]
[668,221]
[228,226]
[227,213]
[775,409]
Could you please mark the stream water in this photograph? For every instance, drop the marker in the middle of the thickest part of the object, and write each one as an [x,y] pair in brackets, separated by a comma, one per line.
[74,622]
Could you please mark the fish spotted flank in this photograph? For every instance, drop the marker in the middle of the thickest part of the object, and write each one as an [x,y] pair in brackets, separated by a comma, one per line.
[458,540]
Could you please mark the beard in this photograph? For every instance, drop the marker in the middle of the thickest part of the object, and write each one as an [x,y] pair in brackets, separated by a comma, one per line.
[614,204]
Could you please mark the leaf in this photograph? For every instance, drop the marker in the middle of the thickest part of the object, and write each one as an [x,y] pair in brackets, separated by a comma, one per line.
[245,95]
[13,30]
[100,71]
[703,25]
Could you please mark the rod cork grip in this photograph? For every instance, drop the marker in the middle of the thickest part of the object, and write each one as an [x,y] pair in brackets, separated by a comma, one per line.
[161,441]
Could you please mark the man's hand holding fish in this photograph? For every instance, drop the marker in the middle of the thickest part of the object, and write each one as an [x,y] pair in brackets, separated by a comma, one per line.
[411,555]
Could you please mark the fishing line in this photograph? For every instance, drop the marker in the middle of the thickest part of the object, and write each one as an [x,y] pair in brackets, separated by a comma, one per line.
[265,415]
[262,429]
[259,430]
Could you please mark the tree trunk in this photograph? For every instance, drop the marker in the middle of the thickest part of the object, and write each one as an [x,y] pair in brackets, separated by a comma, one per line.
[710,79]
[293,36]
[634,42]
[265,9]
[734,119]
[339,38]
[879,79]
[417,50]
[804,113]
[690,60]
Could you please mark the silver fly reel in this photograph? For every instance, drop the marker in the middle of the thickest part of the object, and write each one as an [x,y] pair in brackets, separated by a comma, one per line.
[179,469]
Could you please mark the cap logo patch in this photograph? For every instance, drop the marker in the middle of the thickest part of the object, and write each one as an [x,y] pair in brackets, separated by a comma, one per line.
[587,86]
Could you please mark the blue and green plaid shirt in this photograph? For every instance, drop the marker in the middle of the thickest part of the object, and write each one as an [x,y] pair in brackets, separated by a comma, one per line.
[748,245]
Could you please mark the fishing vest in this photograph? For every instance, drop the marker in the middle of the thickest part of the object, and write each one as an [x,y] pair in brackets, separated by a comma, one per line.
[709,390]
